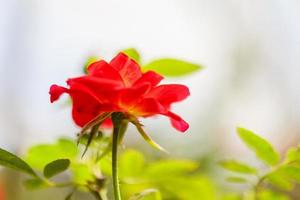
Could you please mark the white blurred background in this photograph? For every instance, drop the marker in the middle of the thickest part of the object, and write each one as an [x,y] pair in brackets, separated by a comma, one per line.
[250,50]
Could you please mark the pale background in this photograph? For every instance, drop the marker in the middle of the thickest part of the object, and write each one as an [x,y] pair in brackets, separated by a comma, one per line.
[250,50]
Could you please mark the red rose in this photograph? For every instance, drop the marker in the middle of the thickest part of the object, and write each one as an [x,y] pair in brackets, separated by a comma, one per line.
[120,86]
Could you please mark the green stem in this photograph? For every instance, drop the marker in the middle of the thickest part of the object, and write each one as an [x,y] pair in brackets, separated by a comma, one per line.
[117,119]
[123,128]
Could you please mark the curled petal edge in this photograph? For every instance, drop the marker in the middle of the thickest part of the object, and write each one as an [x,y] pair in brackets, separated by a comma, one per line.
[177,122]
[56,91]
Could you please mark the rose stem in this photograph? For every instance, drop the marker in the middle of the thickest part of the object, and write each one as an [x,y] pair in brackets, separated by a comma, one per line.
[117,121]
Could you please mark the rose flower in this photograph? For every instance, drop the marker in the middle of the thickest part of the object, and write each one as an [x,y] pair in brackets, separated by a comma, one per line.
[121,86]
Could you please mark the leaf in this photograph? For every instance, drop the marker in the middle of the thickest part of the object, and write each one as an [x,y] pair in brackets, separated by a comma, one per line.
[234,179]
[188,187]
[92,133]
[106,149]
[271,195]
[231,196]
[278,180]
[292,155]
[148,194]
[133,54]
[56,167]
[170,168]
[36,155]
[105,164]
[260,146]
[62,149]
[146,137]
[131,163]
[12,161]
[172,67]
[32,184]
[290,172]
[81,173]
[236,166]
[68,147]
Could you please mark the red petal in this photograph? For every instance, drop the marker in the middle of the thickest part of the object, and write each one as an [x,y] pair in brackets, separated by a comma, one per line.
[86,103]
[107,123]
[82,116]
[56,91]
[148,107]
[102,69]
[95,82]
[129,70]
[177,122]
[102,89]
[170,93]
[150,77]
[86,107]
[129,97]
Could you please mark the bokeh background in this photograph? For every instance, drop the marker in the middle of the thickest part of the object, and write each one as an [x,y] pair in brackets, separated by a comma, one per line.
[250,50]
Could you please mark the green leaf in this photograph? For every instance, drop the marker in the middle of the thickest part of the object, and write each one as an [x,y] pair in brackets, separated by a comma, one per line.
[236,166]
[188,187]
[146,137]
[91,135]
[40,155]
[148,194]
[133,54]
[278,180]
[105,164]
[56,167]
[271,195]
[81,173]
[290,172]
[12,161]
[131,163]
[172,67]
[89,61]
[234,179]
[292,155]
[32,184]
[169,168]
[260,146]
[231,196]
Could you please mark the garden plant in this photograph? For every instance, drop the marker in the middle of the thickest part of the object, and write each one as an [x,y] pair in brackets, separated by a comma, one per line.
[109,97]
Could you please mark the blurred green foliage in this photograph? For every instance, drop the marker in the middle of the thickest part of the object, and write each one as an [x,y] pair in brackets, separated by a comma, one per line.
[277,179]
[172,67]
[140,179]
[174,179]
[262,148]
[62,149]
[145,179]
[10,160]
